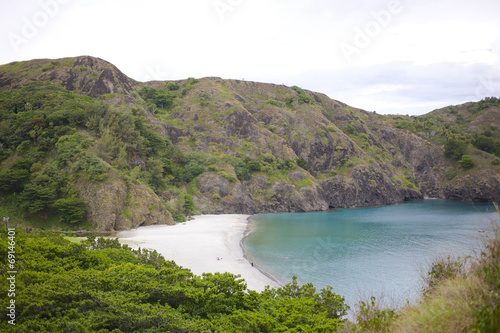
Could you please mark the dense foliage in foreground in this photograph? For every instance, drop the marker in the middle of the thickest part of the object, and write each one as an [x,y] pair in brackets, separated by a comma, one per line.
[99,285]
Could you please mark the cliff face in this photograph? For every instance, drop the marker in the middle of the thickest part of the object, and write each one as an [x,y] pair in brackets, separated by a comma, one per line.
[265,147]
[352,158]
[116,205]
[86,75]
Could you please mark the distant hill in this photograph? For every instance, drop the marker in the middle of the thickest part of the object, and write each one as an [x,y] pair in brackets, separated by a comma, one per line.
[82,144]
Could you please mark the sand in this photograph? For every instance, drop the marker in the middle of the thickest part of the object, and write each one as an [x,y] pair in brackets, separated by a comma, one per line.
[205,244]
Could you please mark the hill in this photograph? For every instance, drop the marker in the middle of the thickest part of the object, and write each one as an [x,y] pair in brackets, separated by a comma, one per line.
[81,141]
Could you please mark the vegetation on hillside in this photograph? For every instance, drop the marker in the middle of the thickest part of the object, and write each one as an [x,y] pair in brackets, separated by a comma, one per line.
[51,138]
[213,146]
[461,129]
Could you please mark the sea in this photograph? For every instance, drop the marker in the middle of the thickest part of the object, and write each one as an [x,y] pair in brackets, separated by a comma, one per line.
[380,251]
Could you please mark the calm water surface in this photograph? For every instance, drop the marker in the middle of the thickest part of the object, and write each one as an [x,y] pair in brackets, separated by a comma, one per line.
[371,251]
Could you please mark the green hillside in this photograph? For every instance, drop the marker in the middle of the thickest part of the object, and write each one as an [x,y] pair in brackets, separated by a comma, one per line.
[84,146]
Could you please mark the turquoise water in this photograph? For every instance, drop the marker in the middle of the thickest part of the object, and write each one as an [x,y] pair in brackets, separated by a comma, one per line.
[379,251]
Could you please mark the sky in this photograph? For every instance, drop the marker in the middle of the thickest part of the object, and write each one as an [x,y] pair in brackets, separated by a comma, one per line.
[389,56]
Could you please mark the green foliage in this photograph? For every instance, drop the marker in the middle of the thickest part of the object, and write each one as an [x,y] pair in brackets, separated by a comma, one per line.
[204,98]
[484,104]
[192,170]
[70,146]
[188,206]
[171,86]
[254,166]
[72,209]
[454,149]
[487,144]
[442,269]
[154,176]
[302,95]
[467,162]
[93,166]
[301,162]
[371,317]
[157,97]
[15,177]
[101,286]
[274,102]
[350,130]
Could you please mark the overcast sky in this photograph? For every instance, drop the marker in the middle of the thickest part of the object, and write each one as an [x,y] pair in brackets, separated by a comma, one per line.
[389,56]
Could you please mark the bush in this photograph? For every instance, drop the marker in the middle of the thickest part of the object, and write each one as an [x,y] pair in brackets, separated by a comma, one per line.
[15,177]
[467,162]
[301,162]
[172,86]
[72,209]
[93,166]
[69,146]
[303,97]
[350,130]
[442,269]
[192,170]
[371,317]
[454,149]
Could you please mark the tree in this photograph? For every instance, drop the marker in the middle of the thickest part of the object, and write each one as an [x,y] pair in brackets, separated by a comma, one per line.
[188,206]
[72,209]
[454,149]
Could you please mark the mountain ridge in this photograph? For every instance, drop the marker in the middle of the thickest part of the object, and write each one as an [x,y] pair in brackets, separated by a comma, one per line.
[233,146]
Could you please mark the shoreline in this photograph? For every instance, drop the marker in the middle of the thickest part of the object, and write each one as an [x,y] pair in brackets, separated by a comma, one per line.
[205,244]
[243,249]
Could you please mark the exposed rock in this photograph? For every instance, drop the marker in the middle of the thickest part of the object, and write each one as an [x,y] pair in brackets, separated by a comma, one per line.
[113,206]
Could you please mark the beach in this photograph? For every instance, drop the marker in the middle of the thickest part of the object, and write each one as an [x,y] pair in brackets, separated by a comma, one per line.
[205,244]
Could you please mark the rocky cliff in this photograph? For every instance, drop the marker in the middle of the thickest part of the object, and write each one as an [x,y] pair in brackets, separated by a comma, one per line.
[248,147]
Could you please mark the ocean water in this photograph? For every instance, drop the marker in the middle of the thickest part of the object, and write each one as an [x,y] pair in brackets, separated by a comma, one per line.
[379,252]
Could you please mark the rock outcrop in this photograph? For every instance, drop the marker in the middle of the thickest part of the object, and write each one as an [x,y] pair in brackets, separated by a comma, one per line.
[116,204]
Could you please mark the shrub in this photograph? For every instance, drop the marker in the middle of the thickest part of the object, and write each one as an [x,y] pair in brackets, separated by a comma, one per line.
[331,129]
[172,86]
[454,149]
[442,269]
[274,102]
[303,97]
[212,168]
[371,317]
[188,205]
[301,162]
[467,162]
[93,166]
[72,209]
[350,130]
[254,166]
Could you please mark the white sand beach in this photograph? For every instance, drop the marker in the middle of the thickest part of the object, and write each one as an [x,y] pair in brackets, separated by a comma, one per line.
[198,243]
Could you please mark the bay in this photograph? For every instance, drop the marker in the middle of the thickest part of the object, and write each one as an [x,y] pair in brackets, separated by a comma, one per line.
[379,252]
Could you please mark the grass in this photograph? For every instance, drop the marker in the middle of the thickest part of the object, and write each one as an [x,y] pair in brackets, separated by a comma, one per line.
[77,240]
[37,221]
